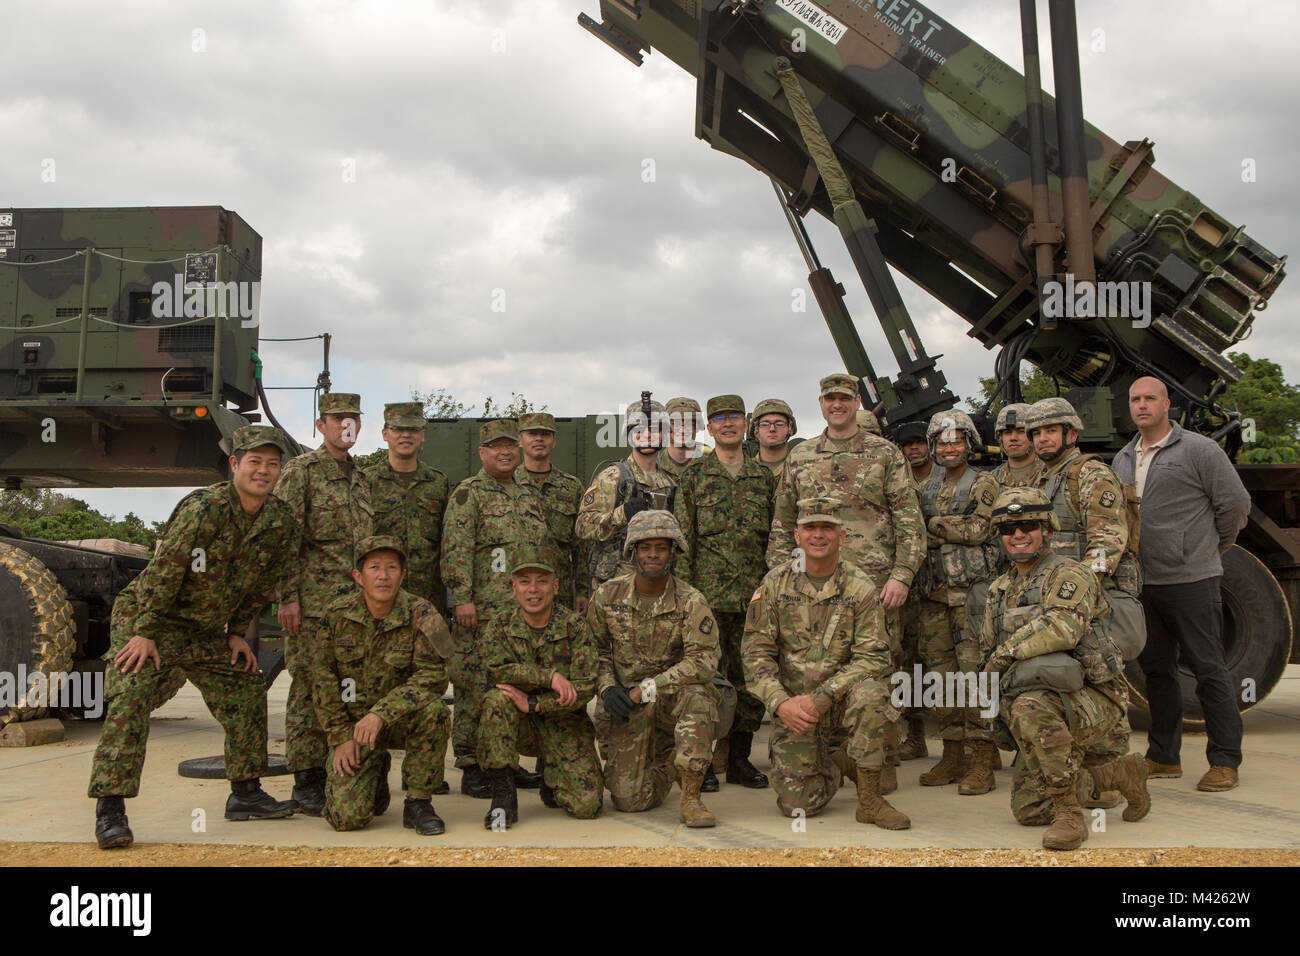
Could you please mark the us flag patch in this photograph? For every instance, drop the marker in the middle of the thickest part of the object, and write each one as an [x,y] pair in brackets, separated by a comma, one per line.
[757,594]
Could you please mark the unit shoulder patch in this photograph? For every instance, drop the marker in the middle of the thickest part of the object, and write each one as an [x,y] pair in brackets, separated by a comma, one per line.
[1107,499]
[1066,590]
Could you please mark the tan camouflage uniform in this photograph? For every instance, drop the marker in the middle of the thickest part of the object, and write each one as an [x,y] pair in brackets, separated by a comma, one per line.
[601,516]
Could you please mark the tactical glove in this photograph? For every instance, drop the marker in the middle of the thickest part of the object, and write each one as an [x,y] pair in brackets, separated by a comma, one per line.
[618,702]
[634,506]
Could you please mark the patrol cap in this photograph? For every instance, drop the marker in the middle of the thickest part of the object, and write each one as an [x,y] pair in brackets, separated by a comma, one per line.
[537,421]
[404,414]
[379,542]
[725,403]
[910,431]
[533,557]
[341,403]
[867,419]
[255,436]
[839,383]
[489,432]
[819,509]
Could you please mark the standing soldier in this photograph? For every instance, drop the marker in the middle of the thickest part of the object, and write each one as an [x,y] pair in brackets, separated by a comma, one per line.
[330,498]
[489,517]
[867,419]
[658,647]
[683,424]
[215,569]
[817,654]
[724,508]
[378,682]
[541,664]
[561,495]
[771,427]
[870,478]
[1022,467]
[911,441]
[622,490]
[957,501]
[1061,681]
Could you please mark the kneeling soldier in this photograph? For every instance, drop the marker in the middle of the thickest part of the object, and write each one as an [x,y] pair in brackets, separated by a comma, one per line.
[377,684]
[1061,688]
[214,571]
[658,647]
[817,654]
[541,663]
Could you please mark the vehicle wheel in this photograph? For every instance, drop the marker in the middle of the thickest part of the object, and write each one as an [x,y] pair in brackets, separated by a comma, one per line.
[1256,640]
[36,627]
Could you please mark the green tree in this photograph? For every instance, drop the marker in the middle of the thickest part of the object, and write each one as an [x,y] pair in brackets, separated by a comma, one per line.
[1034,384]
[1270,411]
[41,513]
[439,403]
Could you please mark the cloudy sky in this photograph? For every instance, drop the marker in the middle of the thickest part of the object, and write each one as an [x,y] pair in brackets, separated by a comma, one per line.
[497,146]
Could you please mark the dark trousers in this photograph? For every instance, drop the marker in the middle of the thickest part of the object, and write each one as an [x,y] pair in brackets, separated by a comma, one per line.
[1186,621]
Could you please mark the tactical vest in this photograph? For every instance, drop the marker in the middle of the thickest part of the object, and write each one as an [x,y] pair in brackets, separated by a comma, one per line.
[1095,652]
[606,555]
[1072,539]
[957,565]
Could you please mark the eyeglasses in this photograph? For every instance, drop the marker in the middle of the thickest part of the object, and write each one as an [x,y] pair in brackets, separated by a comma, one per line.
[1008,528]
[725,417]
[779,423]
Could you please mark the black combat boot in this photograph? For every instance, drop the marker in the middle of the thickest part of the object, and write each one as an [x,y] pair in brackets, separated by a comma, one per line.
[739,769]
[111,830]
[309,791]
[505,799]
[418,815]
[709,784]
[382,794]
[248,801]
[442,789]
[474,782]
[529,779]
[547,793]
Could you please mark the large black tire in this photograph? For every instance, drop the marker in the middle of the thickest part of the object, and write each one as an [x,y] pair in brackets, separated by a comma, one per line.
[36,626]
[1256,640]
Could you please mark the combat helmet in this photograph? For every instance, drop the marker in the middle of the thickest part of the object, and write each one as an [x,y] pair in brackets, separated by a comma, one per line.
[1052,411]
[1011,416]
[653,524]
[635,418]
[952,420]
[867,420]
[770,406]
[1023,504]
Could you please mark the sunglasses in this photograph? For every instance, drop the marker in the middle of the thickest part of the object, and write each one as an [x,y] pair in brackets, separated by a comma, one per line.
[1008,528]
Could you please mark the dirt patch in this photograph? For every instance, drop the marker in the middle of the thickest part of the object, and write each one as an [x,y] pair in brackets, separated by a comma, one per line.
[173,854]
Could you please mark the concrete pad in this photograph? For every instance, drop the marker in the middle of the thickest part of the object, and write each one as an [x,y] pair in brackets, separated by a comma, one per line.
[42,798]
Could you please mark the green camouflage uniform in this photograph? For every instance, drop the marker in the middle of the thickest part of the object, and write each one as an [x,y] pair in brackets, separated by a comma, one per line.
[331,500]
[674,641]
[188,613]
[515,653]
[960,554]
[601,517]
[411,511]
[561,495]
[393,667]
[726,522]
[674,470]
[801,639]
[487,522]
[1055,607]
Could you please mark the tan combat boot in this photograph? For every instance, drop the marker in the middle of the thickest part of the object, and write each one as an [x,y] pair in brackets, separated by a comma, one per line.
[914,746]
[889,778]
[873,808]
[694,812]
[979,778]
[949,769]
[847,768]
[1068,829]
[1128,775]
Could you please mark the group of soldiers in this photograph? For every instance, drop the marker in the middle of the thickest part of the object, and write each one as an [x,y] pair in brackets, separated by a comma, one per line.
[689,590]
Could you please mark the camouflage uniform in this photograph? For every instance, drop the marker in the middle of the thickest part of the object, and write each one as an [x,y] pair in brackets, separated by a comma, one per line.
[801,639]
[409,507]
[602,522]
[726,521]
[682,410]
[518,654]
[561,495]
[331,500]
[188,613]
[673,641]
[1008,475]
[909,626]
[487,521]
[393,667]
[771,406]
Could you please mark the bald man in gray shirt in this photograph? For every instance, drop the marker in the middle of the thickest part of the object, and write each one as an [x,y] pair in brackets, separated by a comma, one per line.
[1193,506]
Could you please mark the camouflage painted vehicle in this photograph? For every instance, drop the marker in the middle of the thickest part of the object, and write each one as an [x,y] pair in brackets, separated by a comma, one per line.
[1055,242]
[112,374]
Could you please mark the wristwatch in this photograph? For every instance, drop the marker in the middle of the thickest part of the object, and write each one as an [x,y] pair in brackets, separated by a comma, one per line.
[532,703]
